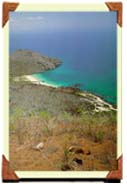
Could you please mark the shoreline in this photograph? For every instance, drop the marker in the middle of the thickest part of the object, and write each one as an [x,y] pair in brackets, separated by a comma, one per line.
[34,80]
[96,99]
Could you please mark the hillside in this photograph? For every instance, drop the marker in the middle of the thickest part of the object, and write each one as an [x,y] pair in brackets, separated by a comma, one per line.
[25,62]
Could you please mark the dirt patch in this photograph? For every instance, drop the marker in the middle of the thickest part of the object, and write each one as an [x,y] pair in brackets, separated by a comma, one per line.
[63,150]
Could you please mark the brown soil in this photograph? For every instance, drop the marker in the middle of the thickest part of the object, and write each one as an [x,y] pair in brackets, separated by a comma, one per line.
[59,150]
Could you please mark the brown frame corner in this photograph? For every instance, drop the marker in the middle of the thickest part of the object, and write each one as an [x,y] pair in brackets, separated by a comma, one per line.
[117,174]
[116,6]
[7,6]
[7,173]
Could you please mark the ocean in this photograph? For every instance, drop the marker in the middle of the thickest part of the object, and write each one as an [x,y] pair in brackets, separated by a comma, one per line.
[88,58]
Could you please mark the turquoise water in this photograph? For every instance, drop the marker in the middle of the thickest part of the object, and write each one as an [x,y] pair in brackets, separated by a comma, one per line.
[88,57]
[90,64]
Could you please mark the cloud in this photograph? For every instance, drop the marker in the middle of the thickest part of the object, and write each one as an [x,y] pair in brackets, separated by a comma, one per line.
[26,23]
[23,19]
[32,18]
[57,21]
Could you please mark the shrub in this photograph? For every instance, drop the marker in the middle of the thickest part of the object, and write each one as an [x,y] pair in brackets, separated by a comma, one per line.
[99,136]
[17,113]
[45,115]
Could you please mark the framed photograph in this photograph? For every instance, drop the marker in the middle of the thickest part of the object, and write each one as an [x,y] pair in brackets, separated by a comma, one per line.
[62,91]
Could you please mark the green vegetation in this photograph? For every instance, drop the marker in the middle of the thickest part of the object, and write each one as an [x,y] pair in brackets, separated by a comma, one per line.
[44,115]
[93,127]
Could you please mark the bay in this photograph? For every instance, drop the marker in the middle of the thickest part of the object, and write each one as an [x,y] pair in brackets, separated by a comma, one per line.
[88,59]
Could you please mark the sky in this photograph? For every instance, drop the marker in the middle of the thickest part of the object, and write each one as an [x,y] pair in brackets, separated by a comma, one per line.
[25,22]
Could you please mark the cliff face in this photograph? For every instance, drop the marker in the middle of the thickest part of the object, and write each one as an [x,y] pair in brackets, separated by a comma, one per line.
[25,62]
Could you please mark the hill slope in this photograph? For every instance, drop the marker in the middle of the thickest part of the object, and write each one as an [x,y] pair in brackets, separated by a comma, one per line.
[24,62]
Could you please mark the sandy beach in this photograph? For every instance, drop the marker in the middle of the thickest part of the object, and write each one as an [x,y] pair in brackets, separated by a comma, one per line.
[35,81]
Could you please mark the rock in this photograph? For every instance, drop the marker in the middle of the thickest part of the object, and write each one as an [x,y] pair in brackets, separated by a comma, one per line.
[87,152]
[39,146]
[78,161]
[79,151]
[66,167]
[76,150]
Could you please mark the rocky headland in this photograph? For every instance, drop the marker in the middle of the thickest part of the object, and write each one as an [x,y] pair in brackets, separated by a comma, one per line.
[25,62]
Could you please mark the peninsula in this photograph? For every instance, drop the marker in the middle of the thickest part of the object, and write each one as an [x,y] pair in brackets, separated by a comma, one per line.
[25,62]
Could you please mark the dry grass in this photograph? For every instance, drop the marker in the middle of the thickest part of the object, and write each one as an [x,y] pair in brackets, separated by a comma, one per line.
[90,135]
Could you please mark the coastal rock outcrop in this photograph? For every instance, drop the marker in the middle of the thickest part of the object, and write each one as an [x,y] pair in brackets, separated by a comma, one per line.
[25,62]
